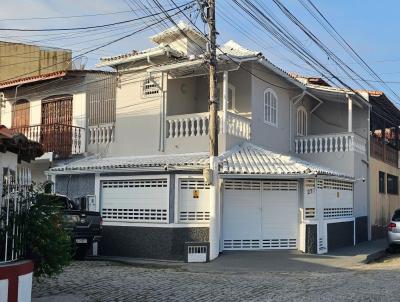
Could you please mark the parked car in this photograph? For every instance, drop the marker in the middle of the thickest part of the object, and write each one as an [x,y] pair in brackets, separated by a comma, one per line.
[85,226]
[393,234]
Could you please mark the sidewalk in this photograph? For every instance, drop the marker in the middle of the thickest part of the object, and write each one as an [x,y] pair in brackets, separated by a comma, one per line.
[267,261]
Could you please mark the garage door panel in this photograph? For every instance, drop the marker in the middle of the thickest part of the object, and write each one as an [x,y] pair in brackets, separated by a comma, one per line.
[241,215]
[265,217]
[135,200]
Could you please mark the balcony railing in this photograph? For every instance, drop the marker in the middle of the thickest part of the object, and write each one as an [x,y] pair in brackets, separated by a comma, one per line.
[384,152]
[101,134]
[335,142]
[197,124]
[63,140]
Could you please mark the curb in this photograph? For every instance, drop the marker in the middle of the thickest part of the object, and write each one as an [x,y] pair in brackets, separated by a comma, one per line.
[146,263]
[375,256]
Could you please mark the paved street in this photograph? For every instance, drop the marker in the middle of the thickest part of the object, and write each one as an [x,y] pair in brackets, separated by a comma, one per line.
[108,281]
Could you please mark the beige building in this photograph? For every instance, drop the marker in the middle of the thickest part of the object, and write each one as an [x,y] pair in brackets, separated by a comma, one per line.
[18,60]
[384,163]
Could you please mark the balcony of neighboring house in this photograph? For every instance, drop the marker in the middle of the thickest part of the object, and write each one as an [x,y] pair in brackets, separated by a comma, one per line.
[384,150]
[55,130]
[62,140]
[187,119]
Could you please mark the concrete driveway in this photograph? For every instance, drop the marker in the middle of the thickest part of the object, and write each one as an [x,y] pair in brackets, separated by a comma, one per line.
[289,261]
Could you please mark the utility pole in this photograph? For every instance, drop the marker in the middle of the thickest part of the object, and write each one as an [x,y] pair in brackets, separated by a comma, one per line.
[213,102]
[214,225]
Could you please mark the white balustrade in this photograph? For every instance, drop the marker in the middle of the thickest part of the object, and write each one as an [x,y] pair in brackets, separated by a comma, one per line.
[101,134]
[335,142]
[197,124]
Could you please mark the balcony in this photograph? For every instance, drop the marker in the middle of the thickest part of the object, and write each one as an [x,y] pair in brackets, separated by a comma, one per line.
[197,124]
[334,142]
[384,152]
[63,140]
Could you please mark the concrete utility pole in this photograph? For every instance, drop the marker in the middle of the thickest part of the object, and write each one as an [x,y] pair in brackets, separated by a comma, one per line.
[213,133]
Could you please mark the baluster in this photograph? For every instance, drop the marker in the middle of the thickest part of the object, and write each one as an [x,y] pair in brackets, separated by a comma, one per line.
[301,146]
[340,143]
[320,145]
[192,127]
[112,133]
[203,125]
[184,127]
[169,133]
[352,143]
[296,146]
[180,128]
[198,128]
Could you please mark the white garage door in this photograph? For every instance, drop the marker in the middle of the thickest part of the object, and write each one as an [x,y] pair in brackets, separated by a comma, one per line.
[135,200]
[260,215]
[194,201]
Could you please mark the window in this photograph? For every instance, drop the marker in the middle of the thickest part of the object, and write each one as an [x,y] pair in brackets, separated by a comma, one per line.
[381,182]
[150,87]
[392,184]
[270,108]
[396,216]
[231,97]
[301,121]
[21,112]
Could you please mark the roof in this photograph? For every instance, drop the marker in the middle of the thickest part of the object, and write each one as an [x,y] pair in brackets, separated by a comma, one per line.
[45,77]
[135,162]
[18,143]
[236,50]
[248,158]
[174,31]
[135,55]
[243,159]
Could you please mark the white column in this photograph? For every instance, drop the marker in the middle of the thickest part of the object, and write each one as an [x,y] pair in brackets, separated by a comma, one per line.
[349,114]
[225,102]
[214,233]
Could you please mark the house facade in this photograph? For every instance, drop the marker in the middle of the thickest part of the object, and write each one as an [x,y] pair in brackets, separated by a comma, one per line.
[292,170]
[64,111]
[384,162]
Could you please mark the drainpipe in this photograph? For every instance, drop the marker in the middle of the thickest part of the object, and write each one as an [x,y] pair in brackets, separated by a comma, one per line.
[369,174]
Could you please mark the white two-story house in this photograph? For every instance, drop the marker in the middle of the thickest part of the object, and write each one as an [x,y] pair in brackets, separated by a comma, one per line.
[292,165]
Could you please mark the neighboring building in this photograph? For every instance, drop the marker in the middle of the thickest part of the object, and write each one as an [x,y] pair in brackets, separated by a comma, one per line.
[292,169]
[384,162]
[71,113]
[24,60]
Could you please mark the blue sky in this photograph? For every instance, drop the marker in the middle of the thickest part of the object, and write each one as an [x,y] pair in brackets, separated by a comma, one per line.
[370,26]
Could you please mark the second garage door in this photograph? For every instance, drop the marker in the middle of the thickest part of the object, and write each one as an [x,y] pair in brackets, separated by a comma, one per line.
[260,215]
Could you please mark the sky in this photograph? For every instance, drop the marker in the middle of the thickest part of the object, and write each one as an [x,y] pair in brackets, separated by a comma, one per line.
[369,26]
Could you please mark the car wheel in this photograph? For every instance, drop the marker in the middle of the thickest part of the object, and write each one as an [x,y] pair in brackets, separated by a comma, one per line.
[80,252]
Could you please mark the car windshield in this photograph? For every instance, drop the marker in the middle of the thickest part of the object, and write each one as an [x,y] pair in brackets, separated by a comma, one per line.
[396,216]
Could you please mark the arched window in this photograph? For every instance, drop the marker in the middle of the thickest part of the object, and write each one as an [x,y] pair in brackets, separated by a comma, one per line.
[301,121]
[20,114]
[270,108]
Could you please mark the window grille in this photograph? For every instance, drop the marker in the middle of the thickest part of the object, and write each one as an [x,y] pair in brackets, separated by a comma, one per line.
[338,212]
[335,185]
[150,88]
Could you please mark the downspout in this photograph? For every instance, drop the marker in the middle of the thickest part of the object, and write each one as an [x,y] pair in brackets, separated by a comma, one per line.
[369,173]
[161,128]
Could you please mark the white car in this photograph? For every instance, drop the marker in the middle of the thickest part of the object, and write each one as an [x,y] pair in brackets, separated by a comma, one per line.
[393,234]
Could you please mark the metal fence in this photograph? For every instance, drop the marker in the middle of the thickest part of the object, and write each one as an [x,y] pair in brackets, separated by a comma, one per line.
[14,204]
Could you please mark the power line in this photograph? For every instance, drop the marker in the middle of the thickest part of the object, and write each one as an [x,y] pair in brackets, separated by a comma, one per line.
[91,27]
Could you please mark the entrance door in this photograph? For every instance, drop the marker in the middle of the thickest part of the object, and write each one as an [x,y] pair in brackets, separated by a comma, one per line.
[56,132]
[260,215]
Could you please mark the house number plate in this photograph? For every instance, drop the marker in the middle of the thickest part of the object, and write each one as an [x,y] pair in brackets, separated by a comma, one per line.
[196,193]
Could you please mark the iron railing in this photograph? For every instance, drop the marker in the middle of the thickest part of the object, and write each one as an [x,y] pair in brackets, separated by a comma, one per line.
[63,140]
[14,204]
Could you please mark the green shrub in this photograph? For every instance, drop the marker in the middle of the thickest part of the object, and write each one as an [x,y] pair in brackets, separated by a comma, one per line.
[48,244]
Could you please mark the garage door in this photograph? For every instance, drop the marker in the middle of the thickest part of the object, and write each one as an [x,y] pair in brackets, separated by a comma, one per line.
[260,215]
[135,200]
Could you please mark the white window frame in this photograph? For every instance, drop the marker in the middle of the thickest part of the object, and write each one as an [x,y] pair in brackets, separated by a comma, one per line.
[221,96]
[270,108]
[302,124]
